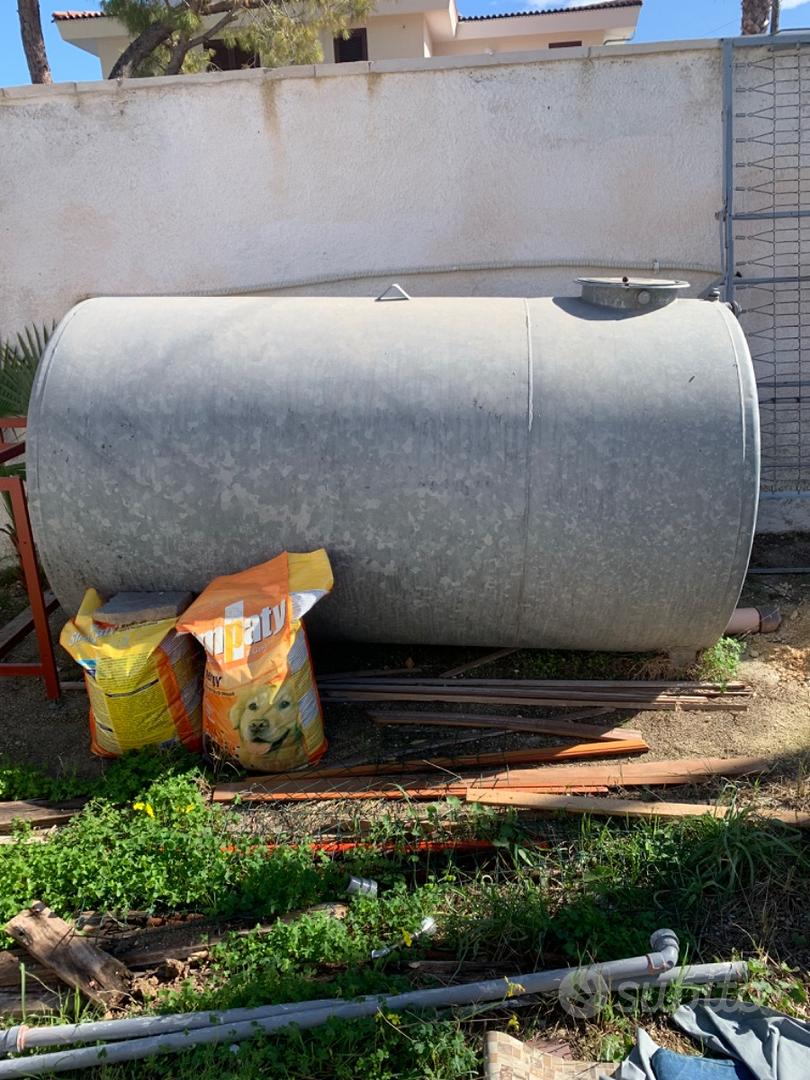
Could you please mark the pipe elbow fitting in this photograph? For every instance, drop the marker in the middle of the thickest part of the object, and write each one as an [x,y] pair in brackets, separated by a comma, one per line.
[666,949]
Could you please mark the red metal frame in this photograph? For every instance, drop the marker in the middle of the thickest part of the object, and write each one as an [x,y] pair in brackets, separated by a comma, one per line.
[15,486]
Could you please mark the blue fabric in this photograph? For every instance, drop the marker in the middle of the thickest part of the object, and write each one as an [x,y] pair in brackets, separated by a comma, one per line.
[668,1065]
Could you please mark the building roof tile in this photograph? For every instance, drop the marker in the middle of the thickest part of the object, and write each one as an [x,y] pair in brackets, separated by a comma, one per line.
[606,4]
[59,16]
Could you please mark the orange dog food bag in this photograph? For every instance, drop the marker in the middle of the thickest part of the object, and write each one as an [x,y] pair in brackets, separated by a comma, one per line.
[260,702]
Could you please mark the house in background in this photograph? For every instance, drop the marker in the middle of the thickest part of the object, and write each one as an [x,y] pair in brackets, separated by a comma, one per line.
[401,29]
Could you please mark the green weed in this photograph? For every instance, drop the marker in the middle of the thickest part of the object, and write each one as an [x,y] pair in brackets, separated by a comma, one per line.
[593,891]
[721,662]
[775,986]
[168,851]
[122,781]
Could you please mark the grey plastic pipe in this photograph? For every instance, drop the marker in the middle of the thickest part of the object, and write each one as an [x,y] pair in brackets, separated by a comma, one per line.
[664,956]
[21,1037]
[731,971]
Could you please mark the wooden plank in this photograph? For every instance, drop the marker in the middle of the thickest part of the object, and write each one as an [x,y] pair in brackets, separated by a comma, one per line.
[266,788]
[73,959]
[412,794]
[37,814]
[146,958]
[38,1002]
[628,774]
[416,788]
[611,748]
[488,658]
[576,804]
[541,725]
[10,974]
[22,625]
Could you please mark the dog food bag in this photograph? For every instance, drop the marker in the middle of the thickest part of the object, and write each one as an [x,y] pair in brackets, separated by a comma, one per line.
[260,703]
[144,681]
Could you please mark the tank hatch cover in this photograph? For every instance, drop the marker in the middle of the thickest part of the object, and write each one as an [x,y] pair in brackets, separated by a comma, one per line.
[630,294]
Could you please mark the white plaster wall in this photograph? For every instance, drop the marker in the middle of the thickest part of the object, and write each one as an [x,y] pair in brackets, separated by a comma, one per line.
[109,51]
[262,180]
[517,43]
[389,37]
[394,36]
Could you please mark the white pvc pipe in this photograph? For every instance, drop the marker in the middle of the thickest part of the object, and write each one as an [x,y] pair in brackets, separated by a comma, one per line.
[22,1037]
[663,958]
[730,971]
[691,975]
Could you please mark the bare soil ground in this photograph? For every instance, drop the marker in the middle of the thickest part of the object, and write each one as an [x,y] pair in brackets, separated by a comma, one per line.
[776,725]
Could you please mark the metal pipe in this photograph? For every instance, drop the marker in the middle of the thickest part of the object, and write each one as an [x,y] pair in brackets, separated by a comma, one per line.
[664,944]
[778,571]
[649,266]
[728,171]
[751,620]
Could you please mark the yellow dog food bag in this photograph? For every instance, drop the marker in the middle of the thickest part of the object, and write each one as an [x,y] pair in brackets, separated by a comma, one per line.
[144,681]
[260,702]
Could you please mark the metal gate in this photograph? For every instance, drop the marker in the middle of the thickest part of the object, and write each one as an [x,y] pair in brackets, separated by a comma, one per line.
[766,113]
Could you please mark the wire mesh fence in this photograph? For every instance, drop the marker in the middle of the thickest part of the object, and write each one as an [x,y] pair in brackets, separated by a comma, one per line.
[768,192]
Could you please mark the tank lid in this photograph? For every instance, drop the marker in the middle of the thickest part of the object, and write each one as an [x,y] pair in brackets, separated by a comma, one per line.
[630,294]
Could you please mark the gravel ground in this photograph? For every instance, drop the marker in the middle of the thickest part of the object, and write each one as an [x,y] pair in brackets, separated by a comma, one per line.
[776,724]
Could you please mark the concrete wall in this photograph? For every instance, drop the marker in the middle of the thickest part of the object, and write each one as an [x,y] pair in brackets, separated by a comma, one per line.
[517,44]
[454,176]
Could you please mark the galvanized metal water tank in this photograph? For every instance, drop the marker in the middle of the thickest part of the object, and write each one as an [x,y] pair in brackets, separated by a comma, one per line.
[577,473]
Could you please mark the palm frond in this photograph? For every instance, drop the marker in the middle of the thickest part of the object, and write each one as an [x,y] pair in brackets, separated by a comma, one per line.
[19,360]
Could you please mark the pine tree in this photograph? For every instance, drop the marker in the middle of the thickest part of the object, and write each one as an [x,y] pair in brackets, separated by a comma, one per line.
[169,36]
[33,41]
[756,16]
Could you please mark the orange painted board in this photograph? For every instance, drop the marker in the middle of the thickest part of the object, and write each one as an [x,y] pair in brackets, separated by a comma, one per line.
[611,748]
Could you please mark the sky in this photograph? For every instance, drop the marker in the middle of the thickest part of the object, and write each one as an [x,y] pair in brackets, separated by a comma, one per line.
[660,20]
